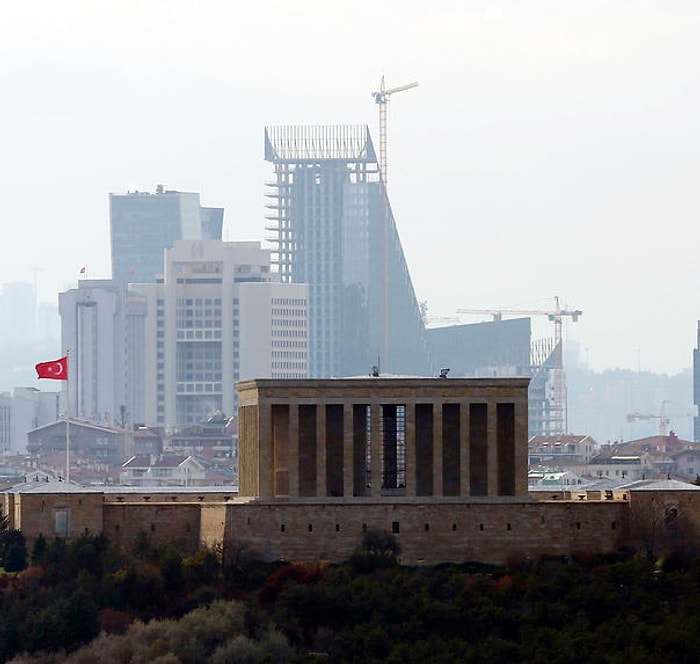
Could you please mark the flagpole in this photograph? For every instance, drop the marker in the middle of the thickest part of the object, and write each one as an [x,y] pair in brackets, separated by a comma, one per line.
[67,418]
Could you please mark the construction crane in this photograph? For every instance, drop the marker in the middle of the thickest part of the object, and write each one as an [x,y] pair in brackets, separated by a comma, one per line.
[554,315]
[436,320]
[381,98]
[558,410]
[663,419]
[663,416]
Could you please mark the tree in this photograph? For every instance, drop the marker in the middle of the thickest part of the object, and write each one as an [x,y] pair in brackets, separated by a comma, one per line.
[39,549]
[16,557]
[13,550]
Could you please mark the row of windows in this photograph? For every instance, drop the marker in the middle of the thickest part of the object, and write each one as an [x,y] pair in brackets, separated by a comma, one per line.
[290,333]
[198,334]
[289,365]
[289,354]
[198,323]
[293,301]
[208,366]
[201,376]
[289,312]
[197,302]
[286,322]
[290,344]
[190,388]
[188,313]
[287,376]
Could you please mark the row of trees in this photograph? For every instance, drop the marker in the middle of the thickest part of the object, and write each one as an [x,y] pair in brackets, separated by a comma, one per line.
[88,600]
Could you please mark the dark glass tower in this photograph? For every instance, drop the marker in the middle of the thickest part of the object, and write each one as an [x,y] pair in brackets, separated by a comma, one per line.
[334,229]
[144,225]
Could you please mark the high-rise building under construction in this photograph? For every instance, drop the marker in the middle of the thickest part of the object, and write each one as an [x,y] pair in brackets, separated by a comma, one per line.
[334,229]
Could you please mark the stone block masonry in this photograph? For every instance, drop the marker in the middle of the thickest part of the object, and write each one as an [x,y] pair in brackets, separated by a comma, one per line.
[429,533]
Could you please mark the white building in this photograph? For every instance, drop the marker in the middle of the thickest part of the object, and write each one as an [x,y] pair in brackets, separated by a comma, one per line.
[102,327]
[164,470]
[25,409]
[219,316]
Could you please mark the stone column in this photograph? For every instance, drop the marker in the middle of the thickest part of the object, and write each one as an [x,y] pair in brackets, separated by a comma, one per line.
[376,447]
[410,448]
[464,451]
[321,488]
[492,449]
[521,451]
[437,448]
[293,450]
[266,469]
[348,479]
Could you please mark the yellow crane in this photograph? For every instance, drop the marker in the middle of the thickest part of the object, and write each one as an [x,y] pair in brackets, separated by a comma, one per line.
[556,316]
[381,98]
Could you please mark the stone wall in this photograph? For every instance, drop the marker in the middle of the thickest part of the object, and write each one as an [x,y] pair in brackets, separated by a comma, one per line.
[429,533]
[178,524]
[662,521]
[55,514]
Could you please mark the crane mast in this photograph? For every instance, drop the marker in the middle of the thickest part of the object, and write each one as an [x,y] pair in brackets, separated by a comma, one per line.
[381,98]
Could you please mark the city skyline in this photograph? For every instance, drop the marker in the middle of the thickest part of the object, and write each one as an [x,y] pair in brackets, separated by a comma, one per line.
[555,144]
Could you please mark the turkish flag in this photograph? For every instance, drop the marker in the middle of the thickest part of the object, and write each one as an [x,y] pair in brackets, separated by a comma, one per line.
[56,370]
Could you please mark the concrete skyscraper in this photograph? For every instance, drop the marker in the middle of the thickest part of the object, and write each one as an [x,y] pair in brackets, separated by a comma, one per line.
[102,327]
[219,316]
[143,225]
[334,229]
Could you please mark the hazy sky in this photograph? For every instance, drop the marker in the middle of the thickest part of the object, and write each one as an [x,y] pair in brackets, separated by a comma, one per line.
[552,148]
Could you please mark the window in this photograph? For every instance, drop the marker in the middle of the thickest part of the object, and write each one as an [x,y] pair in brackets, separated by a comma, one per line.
[61,521]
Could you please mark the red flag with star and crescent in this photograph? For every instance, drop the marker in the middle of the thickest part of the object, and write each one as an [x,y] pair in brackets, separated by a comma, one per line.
[56,370]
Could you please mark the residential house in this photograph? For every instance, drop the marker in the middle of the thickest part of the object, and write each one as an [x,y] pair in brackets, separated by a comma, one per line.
[164,470]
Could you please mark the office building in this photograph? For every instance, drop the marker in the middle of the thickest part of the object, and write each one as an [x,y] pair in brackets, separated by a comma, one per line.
[220,315]
[143,225]
[22,410]
[333,228]
[17,314]
[102,328]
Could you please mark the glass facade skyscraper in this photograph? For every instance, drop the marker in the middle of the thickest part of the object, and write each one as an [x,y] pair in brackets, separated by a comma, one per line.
[143,225]
[333,228]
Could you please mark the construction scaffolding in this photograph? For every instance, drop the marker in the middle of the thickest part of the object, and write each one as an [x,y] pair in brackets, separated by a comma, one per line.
[331,226]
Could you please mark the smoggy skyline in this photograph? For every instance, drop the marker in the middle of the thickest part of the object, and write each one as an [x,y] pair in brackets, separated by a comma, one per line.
[548,150]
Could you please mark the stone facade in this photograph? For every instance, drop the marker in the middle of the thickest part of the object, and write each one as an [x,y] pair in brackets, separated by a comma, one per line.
[178,523]
[429,533]
[383,437]
[439,463]
[55,513]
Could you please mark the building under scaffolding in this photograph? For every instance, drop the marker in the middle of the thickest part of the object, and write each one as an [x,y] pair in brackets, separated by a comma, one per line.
[333,228]
[504,348]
